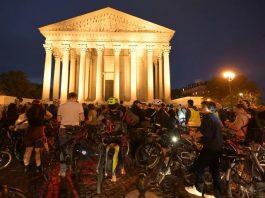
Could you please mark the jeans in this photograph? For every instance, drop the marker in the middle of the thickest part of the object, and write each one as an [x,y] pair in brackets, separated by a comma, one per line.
[211,159]
[66,150]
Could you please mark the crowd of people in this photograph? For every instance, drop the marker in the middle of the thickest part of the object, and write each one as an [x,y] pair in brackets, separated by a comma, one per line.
[208,122]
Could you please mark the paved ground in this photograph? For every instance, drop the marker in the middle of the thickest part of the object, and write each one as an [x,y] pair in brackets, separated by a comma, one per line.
[37,185]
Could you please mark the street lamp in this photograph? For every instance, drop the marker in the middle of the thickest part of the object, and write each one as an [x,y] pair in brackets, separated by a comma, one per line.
[229,76]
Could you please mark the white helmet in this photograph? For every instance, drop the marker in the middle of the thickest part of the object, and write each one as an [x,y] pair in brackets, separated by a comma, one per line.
[157,102]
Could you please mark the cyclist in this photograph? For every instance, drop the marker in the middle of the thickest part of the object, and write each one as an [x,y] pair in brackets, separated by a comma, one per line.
[35,137]
[70,113]
[212,140]
[193,119]
[113,120]
[162,117]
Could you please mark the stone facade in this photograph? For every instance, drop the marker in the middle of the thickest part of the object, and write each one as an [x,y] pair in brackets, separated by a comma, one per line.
[107,53]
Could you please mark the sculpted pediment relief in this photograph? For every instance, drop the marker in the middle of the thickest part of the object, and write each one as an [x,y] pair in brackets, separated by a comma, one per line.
[106,20]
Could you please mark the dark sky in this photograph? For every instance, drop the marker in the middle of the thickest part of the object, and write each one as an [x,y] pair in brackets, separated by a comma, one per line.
[210,34]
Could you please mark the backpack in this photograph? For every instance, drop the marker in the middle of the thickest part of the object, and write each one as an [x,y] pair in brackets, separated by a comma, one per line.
[130,118]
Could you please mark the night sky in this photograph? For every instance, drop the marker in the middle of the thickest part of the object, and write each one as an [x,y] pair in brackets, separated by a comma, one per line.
[210,34]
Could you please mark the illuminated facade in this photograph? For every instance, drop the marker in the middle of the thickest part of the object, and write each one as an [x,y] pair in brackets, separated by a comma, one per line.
[106,53]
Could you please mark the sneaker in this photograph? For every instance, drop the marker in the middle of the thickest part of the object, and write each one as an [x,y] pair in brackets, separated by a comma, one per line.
[208,196]
[114,178]
[192,190]
[39,169]
[62,173]
[26,169]
[123,171]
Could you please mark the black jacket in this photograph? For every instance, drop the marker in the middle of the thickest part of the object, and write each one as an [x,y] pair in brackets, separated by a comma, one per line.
[211,129]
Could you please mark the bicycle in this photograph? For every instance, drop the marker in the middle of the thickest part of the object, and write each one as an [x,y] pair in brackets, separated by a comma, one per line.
[245,176]
[5,159]
[105,152]
[10,192]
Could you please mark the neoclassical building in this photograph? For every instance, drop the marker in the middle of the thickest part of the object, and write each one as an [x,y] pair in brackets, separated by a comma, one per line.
[106,53]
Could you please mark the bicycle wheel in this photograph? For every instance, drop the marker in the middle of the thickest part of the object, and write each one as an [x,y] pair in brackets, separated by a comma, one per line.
[239,182]
[148,155]
[100,172]
[5,159]
[19,149]
[9,192]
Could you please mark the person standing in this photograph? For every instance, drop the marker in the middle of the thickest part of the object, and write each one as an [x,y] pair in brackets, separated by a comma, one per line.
[209,156]
[193,119]
[34,137]
[70,113]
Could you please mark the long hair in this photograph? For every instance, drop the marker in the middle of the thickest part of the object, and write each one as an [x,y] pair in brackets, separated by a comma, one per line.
[35,115]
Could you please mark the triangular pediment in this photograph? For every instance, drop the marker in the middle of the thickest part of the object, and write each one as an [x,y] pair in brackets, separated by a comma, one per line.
[106,20]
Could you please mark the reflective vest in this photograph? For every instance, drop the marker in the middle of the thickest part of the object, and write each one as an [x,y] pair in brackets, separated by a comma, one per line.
[195,119]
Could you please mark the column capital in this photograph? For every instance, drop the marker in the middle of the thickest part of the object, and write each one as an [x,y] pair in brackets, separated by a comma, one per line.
[82,47]
[72,53]
[66,47]
[57,54]
[133,48]
[117,49]
[166,49]
[150,48]
[100,48]
[48,47]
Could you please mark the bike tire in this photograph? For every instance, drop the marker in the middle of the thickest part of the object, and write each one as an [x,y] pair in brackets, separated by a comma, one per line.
[10,192]
[5,155]
[19,149]
[100,175]
[154,152]
[236,185]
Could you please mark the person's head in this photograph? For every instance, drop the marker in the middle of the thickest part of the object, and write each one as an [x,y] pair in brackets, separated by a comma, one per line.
[72,96]
[121,102]
[157,104]
[91,106]
[56,102]
[112,103]
[190,103]
[18,100]
[149,105]
[239,108]
[138,103]
[245,103]
[144,106]
[218,106]
[208,107]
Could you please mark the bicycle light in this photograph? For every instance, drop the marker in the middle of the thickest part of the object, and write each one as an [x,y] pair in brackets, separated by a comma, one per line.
[174,139]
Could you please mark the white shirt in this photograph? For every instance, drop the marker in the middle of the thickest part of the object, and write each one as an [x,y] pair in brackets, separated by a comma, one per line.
[69,113]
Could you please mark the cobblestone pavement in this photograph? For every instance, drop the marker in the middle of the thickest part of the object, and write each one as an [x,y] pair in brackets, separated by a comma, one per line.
[50,185]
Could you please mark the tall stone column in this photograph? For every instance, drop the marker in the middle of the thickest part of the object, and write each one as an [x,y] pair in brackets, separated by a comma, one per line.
[156,80]
[47,71]
[56,75]
[87,73]
[72,71]
[150,74]
[117,50]
[133,50]
[81,84]
[65,72]
[167,88]
[160,77]
[77,73]
[100,51]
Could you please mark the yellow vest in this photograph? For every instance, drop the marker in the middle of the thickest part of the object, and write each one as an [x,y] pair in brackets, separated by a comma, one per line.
[195,119]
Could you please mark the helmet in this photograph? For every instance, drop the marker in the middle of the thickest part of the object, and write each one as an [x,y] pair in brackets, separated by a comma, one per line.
[157,102]
[112,101]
